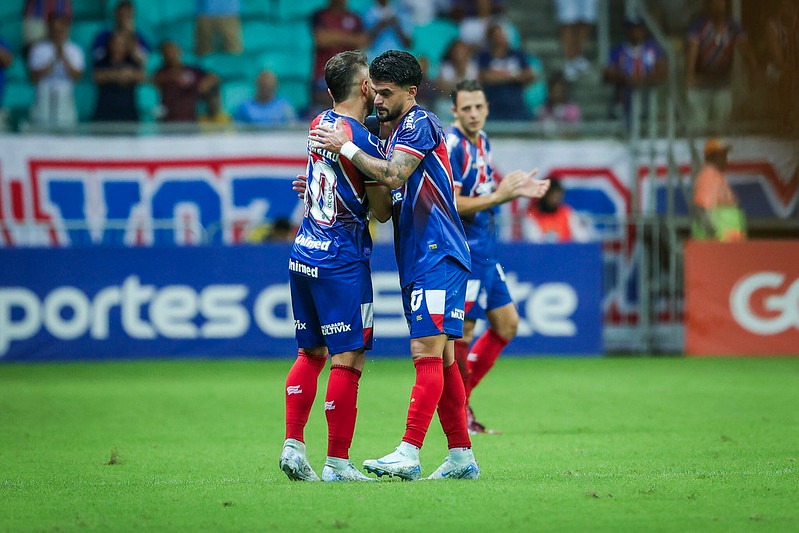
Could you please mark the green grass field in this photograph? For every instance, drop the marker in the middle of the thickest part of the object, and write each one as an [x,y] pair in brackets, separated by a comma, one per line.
[612,444]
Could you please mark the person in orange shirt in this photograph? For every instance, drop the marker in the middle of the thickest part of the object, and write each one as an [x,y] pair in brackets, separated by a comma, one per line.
[551,220]
[716,214]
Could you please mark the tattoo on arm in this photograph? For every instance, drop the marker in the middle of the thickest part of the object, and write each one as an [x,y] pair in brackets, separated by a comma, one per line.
[393,173]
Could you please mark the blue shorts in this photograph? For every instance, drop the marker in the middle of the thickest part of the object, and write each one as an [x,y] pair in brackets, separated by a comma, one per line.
[434,303]
[487,290]
[334,309]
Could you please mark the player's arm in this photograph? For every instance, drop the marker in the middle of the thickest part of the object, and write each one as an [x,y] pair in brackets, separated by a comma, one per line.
[392,173]
[379,201]
[515,184]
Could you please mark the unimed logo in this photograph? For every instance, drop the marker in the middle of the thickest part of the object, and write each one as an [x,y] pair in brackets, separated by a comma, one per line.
[779,304]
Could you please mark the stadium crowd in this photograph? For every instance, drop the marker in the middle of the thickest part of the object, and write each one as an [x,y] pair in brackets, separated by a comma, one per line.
[223,61]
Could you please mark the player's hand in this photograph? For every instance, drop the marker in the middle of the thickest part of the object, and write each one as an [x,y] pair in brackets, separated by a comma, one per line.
[299,184]
[330,139]
[533,188]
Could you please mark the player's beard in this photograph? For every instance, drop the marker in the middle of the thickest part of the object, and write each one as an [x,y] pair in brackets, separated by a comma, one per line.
[390,114]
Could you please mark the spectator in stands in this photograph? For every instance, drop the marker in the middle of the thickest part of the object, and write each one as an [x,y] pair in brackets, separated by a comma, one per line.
[181,85]
[220,18]
[266,108]
[335,29]
[389,28]
[635,64]
[458,64]
[782,34]
[550,219]
[504,73]
[710,48]
[576,19]
[36,13]
[117,74]
[423,12]
[716,214]
[55,64]
[124,21]
[214,117]
[6,58]
[478,16]
[559,112]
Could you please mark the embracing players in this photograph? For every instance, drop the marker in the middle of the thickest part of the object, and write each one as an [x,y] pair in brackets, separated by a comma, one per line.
[432,258]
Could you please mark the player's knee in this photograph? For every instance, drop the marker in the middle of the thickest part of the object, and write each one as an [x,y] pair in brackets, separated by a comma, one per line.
[507,328]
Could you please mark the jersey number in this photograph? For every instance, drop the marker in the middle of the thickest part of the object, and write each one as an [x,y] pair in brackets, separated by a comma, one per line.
[322,190]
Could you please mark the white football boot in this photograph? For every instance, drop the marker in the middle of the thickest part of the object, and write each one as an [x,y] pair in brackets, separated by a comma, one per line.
[342,470]
[403,463]
[459,464]
[294,462]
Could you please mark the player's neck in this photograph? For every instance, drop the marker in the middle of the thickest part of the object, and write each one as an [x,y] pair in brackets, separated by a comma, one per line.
[472,137]
[351,109]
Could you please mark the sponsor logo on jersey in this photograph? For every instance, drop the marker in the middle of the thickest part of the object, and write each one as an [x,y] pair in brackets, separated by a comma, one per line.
[311,243]
[457,313]
[338,327]
[300,326]
[296,266]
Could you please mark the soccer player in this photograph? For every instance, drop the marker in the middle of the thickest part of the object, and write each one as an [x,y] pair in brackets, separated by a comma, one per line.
[330,278]
[478,204]
[432,258]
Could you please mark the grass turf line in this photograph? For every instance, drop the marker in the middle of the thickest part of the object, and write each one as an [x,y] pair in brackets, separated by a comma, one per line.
[611,444]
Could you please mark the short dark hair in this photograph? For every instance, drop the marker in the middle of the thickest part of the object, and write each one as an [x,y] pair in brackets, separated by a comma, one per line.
[398,67]
[341,70]
[465,85]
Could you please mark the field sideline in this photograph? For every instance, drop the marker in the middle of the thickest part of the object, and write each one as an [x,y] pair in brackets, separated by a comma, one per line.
[610,444]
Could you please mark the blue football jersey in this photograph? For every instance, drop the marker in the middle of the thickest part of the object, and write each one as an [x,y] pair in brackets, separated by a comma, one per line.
[473,173]
[335,229]
[427,226]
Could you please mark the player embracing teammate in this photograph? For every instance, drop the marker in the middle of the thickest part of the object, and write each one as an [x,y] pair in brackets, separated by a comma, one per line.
[432,258]
[330,278]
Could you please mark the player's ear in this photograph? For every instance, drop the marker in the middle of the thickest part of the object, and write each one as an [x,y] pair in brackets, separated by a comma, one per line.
[331,96]
[413,90]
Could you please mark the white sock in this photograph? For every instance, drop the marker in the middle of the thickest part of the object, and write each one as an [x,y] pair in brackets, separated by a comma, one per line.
[461,455]
[408,450]
[294,443]
[336,462]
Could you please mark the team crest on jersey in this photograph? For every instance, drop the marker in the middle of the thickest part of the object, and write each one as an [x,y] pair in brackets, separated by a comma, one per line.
[409,121]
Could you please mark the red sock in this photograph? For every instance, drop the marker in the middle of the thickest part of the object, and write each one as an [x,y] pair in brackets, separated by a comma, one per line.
[341,409]
[461,355]
[452,409]
[425,395]
[301,393]
[483,356]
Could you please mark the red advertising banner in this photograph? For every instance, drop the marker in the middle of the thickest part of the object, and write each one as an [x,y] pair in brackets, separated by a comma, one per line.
[742,298]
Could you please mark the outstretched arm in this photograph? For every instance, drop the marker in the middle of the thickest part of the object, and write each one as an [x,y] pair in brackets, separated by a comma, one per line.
[392,173]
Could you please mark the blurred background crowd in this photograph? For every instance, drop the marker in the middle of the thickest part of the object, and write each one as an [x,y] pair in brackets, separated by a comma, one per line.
[557,66]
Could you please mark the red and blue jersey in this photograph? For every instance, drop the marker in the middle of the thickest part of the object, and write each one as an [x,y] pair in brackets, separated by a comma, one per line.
[716,48]
[473,173]
[427,226]
[335,228]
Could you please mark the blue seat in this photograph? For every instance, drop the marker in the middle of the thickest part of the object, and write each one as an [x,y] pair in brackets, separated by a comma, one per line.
[234,93]
[294,9]
[179,31]
[85,100]
[17,71]
[298,92]
[286,65]
[256,9]
[87,10]
[433,39]
[175,10]
[227,66]
[148,100]
[83,34]
[18,95]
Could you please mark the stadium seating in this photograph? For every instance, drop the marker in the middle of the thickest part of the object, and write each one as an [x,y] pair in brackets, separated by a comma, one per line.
[226,66]
[433,39]
[83,33]
[294,9]
[235,92]
[174,10]
[86,10]
[148,101]
[85,98]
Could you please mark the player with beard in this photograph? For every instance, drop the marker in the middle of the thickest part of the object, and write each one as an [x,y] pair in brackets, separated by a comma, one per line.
[432,258]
